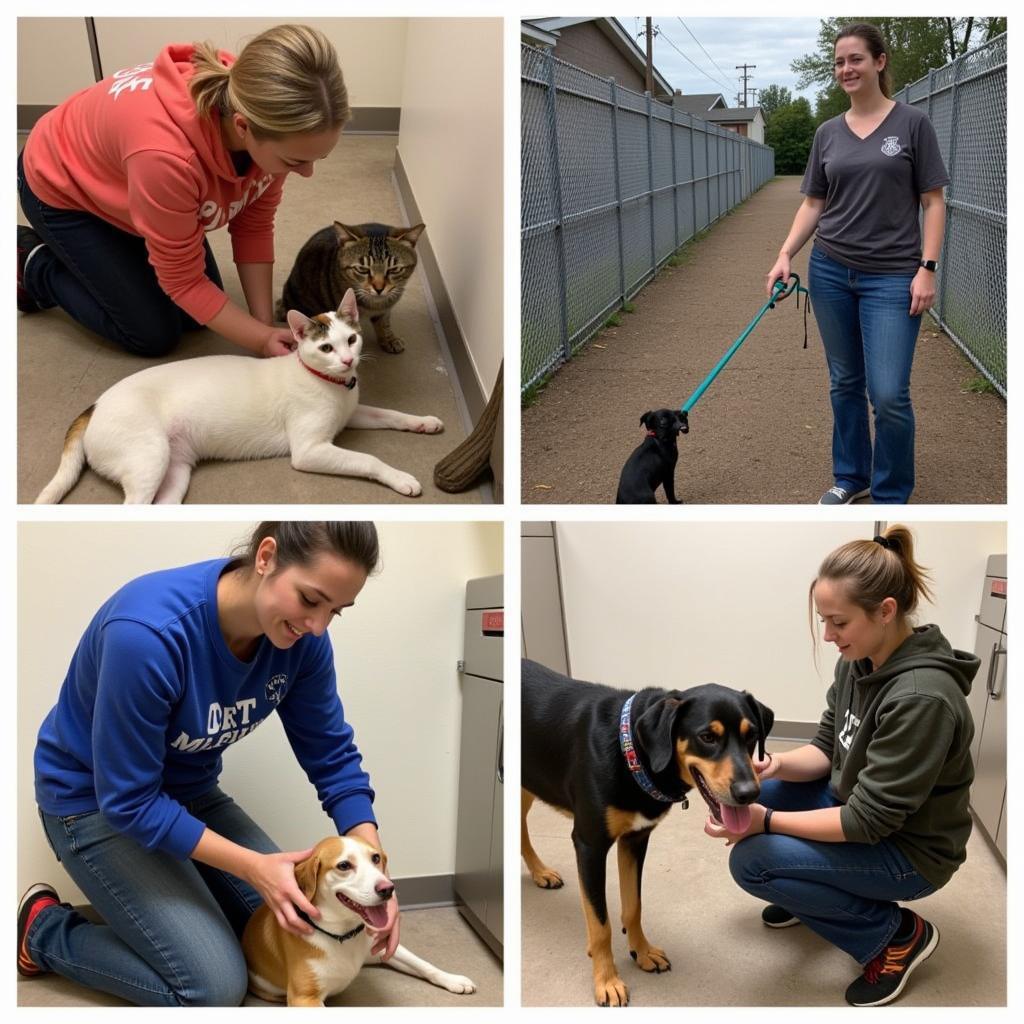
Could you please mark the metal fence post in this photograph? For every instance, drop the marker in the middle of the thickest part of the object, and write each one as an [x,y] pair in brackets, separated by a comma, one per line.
[954,127]
[675,179]
[563,285]
[650,179]
[707,170]
[618,188]
[693,180]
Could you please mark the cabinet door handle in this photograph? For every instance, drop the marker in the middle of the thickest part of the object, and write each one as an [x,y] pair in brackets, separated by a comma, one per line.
[501,752]
[997,650]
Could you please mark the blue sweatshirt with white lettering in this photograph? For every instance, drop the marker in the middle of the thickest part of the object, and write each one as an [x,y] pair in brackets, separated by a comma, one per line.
[154,696]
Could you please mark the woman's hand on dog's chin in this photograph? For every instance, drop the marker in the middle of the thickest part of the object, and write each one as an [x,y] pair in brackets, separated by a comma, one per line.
[272,875]
[385,941]
[717,830]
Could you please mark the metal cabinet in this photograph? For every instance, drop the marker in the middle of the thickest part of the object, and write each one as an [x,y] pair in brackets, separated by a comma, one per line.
[987,702]
[479,844]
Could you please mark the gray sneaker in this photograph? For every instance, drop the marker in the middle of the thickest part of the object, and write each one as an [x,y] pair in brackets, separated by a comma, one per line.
[841,496]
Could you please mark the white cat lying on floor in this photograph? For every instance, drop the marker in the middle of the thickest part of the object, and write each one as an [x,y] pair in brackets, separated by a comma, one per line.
[149,430]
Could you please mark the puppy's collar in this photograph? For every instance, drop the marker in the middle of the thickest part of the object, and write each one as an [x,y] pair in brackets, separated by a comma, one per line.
[350,383]
[651,433]
[642,779]
[340,938]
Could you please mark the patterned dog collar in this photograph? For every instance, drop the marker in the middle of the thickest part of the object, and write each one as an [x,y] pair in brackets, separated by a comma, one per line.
[643,780]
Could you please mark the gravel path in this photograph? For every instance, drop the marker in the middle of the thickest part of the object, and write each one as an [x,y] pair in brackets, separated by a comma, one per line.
[762,431]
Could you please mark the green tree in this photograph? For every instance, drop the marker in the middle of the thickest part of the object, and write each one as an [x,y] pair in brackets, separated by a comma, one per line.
[790,133]
[772,98]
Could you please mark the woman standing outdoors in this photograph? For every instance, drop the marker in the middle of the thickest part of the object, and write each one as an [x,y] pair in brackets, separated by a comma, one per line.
[874,809]
[122,181]
[174,668]
[872,269]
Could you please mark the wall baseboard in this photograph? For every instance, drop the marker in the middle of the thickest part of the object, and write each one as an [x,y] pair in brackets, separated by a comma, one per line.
[365,120]
[426,891]
[794,731]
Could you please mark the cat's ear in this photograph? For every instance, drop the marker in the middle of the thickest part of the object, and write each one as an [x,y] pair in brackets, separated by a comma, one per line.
[345,233]
[410,235]
[299,324]
[349,309]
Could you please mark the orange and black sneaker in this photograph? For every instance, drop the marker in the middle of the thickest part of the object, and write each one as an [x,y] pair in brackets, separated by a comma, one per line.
[33,903]
[885,977]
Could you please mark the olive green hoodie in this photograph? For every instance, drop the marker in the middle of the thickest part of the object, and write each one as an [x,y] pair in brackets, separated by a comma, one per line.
[900,742]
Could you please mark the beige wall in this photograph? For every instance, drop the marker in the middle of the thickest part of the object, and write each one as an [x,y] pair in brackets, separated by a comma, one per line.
[372,51]
[450,144]
[659,604]
[395,652]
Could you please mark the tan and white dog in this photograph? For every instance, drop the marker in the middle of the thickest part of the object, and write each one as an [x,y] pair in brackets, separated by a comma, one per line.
[344,879]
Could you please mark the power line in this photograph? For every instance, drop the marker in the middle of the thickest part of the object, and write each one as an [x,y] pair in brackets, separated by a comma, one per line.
[705,52]
[668,39]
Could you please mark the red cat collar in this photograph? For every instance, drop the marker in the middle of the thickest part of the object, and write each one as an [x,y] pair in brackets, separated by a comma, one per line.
[350,383]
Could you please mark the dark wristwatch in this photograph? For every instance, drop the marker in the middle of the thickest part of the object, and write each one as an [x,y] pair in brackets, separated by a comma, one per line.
[930,265]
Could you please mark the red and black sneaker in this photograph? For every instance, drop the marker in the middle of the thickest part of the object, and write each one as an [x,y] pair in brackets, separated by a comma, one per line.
[885,976]
[28,242]
[33,903]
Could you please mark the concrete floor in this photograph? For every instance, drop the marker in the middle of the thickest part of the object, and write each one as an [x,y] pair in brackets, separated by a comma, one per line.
[439,935]
[721,953]
[63,368]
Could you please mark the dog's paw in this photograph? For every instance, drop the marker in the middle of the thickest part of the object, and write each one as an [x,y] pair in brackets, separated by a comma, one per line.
[405,484]
[428,425]
[458,984]
[611,992]
[653,960]
[547,879]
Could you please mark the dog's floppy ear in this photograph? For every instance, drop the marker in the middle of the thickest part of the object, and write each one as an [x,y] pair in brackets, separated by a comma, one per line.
[655,731]
[763,717]
[307,873]
[643,419]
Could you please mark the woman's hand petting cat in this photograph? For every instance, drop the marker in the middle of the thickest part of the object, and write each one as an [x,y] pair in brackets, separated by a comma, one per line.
[279,342]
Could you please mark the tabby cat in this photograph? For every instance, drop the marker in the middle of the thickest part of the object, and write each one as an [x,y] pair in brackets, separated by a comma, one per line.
[374,260]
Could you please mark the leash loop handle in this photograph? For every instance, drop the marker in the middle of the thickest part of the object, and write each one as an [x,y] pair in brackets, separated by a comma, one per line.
[782,290]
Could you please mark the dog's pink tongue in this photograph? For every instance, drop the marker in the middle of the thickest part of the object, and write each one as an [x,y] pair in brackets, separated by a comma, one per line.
[736,819]
[377,916]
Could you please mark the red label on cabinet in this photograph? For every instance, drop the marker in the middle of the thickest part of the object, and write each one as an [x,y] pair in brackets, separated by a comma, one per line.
[492,622]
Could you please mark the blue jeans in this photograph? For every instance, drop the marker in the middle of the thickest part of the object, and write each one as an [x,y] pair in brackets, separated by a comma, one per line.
[869,338]
[845,892]
[101,277]
[172,928]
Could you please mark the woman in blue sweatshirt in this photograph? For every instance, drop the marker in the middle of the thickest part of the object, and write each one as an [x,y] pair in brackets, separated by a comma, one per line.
[174,668]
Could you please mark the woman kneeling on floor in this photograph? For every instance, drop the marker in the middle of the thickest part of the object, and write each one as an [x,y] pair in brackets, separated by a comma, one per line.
[875,808]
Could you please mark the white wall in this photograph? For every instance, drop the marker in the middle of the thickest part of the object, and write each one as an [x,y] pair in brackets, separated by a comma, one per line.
[450,144]
[371,50]
[676,604]
[395,652]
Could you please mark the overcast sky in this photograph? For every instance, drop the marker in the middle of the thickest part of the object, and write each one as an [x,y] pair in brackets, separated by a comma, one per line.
[770,43]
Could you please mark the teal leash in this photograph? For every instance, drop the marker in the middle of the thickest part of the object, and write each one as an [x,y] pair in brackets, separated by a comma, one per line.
[780,291]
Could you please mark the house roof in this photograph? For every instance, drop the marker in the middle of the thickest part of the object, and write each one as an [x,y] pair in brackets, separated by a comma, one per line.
[699,103]
[545,31]
[734,114]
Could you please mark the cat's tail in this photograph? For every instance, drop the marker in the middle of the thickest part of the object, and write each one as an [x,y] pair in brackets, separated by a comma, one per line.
[72,461]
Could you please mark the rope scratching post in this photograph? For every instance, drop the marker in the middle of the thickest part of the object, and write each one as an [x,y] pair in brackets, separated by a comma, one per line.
[461,468]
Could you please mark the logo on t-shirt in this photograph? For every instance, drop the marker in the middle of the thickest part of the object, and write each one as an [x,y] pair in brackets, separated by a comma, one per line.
[891,145]
[276,687]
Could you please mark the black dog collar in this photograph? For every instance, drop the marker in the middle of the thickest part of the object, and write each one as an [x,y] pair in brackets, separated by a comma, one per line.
[340,938]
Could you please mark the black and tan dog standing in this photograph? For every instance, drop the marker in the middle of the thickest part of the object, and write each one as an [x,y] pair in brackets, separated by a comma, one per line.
[616,761]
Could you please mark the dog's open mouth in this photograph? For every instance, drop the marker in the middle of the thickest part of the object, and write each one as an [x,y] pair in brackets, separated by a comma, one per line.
[735,819]
[375,916]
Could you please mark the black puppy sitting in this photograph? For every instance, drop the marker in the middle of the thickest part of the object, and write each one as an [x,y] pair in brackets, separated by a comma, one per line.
[653,462]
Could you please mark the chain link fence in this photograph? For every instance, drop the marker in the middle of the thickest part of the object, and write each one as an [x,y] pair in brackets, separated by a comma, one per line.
[613,183]
[966,103]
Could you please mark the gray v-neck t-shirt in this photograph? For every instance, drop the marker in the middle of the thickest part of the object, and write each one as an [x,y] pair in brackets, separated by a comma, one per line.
[872,189]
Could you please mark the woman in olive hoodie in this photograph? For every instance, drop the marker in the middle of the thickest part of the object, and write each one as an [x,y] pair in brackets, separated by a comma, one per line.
[874,809]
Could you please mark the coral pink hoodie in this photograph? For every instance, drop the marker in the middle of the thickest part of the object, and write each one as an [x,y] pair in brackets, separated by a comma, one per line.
[133,151]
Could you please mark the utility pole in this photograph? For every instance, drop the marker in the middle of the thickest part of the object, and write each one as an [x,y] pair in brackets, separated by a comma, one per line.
[745,77]
[649,76]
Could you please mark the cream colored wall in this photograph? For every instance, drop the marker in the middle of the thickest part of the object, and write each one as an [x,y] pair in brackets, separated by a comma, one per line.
[395,652]
[371,50]
[450,144]
[659,604]
[41,79]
